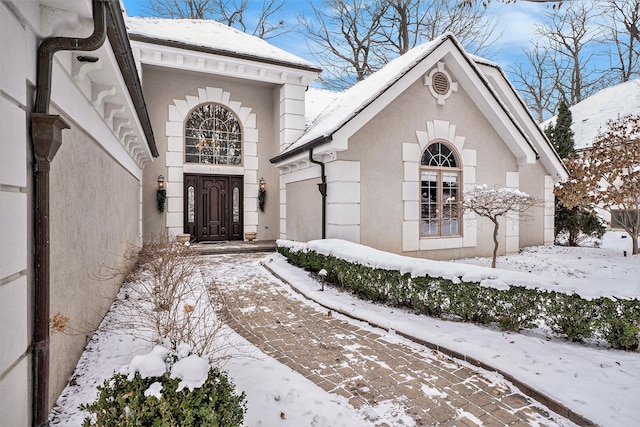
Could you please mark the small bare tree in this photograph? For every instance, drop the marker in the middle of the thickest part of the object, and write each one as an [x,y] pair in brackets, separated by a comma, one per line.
[493,203]
[607,175]
[165,300]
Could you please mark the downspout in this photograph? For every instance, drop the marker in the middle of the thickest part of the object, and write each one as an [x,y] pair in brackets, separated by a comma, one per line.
[46,134]
[323,190]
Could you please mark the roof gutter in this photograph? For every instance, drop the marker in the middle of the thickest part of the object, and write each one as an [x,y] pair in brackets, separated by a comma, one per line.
[46,133]
[301,149]
[322,187]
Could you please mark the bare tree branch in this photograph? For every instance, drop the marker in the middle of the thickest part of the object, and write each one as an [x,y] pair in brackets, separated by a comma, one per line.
[572,35]
[342,35]
[234,13]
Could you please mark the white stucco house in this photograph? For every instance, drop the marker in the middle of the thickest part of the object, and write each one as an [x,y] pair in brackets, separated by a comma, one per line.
[394,153]
[98,109]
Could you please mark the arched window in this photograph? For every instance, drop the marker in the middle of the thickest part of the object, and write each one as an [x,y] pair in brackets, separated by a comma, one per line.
[440,172]
[213,135]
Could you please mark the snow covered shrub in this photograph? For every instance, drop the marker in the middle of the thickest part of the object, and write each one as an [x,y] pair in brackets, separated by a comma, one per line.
[511,309]
[577,225]
[619,322]
[518,308]
[470,301]
[427,297]
[570,315]
[123,402]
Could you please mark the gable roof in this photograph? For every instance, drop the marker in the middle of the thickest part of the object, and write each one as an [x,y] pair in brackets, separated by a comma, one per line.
[591,114]
[212,37]
[355,99]
[509,116]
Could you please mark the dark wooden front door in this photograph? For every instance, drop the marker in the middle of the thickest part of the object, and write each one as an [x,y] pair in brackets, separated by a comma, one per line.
[213,207]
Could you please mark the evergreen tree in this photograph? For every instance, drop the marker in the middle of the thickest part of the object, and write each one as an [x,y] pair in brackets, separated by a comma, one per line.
[571,224]
[562,134]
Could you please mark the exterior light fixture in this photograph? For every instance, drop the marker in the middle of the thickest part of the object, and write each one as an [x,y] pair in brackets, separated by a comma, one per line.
[161,194]
[262,194]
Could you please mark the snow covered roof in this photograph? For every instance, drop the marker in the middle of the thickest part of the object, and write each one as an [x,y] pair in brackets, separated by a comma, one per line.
[315,102]
[591,114]
[359,96]
[355,101]
[214,36]
[352,101]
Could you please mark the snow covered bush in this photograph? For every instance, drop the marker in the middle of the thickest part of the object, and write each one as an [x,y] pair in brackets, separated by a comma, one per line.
[512,308]
[570,315]
[618,321]
[154,392]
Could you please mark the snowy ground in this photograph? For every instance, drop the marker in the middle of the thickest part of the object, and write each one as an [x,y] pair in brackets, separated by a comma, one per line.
[598,383]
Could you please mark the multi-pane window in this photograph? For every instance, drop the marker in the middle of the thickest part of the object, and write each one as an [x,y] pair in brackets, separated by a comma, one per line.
[213,135]
[439,191]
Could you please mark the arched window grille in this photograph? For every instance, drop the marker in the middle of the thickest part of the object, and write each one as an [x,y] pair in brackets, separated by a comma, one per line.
[440,193]
[213,135]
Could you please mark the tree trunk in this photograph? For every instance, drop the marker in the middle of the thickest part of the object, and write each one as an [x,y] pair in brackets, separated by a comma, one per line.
[495,241]
[634,238]
[574,227]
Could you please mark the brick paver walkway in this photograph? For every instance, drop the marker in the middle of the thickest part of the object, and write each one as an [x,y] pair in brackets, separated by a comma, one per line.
[369,368]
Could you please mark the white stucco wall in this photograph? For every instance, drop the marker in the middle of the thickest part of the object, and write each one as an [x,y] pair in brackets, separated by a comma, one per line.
[17,47]
[95,188]
[94,213]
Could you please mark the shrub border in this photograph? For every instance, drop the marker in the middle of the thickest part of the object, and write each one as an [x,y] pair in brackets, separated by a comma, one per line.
[615,320]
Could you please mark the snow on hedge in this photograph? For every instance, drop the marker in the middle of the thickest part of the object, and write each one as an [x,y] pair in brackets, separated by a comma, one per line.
[456,272]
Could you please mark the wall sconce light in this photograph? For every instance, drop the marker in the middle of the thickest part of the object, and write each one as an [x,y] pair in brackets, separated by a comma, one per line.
[161,194]
[262,194]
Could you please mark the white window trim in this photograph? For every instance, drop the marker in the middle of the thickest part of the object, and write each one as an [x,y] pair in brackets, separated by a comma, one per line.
[411,157]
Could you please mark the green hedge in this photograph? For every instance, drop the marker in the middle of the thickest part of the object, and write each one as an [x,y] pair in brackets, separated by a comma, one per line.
[616,321]
[121,402]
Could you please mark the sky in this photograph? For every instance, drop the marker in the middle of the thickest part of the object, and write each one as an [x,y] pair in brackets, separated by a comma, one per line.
[516,26]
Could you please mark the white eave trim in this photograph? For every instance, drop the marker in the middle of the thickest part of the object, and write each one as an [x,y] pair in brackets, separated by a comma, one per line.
[210,63]
[548,156]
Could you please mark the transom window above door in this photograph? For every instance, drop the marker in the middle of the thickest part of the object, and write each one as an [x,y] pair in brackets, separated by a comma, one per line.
[213,135]
[440,170]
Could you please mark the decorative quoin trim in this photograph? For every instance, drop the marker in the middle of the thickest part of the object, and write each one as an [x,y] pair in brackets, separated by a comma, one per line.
[178,112]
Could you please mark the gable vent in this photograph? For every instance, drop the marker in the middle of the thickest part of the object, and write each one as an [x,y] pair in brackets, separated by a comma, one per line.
[440,83]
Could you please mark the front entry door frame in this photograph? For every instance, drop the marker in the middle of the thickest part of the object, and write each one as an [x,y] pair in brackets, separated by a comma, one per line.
[213,208]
